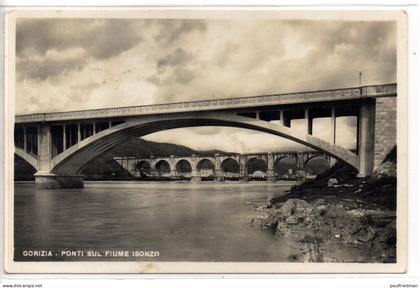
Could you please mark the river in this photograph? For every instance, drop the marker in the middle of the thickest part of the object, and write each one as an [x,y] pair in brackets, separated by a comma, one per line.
[181,221]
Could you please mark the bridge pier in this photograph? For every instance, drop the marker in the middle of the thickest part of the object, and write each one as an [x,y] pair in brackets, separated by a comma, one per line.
[53,181]
[195,175]
[243,175]
[271,176]
[173,174]
[366,132]
[220,177]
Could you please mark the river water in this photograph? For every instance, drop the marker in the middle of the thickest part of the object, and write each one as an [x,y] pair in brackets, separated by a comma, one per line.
[181,221]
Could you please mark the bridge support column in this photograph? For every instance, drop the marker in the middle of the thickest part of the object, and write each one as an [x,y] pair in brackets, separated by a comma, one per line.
[218,171]
[271,175]
[243,175]
[333,126]
[300,165]
[44,179]
[309,121]
[173,174]
[220,177]
[195,175]
[366,132]
[243,169]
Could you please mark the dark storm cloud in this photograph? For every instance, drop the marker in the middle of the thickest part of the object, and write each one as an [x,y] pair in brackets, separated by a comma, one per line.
[100,39]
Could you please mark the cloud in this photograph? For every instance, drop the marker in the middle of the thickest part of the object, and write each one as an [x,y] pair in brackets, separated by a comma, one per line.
[52,63]
[183,76]
[227,139]
[178,58]
[99,39]
[173,30]
[72,64]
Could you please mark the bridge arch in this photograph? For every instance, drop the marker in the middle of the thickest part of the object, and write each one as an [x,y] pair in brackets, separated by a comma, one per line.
[205,162]
[255,166]
[143,167]
[284,163]
[73,160]
[162,167]
[233,167]
[306,164]
[206,168]
[183,164]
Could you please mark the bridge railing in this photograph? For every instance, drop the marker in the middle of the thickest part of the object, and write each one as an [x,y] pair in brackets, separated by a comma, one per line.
[214,104]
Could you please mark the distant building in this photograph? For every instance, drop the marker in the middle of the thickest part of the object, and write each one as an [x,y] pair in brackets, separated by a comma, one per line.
[258,174]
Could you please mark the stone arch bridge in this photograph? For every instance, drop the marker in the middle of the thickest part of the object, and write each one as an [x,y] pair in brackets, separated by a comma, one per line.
[59,145]
[216,161]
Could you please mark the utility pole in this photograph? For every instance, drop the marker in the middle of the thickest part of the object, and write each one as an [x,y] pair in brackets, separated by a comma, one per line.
[360,78]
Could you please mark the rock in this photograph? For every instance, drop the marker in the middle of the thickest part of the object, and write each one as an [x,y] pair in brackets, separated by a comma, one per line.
[319,202]
[328,259]
[297,208]
[386,169]
[332,182]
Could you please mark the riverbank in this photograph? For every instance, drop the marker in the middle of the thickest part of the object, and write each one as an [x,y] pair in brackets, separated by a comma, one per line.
[338,212]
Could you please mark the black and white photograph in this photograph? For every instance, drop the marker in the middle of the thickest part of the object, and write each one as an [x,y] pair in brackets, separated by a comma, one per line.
[206,141]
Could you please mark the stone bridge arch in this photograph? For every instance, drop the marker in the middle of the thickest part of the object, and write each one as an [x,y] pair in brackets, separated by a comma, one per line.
[261,158]
[312,157]
[200,169]
[177,166]
[204,159]
[160,163]
[144,167]
[225,159]
[284,157]
[221,171]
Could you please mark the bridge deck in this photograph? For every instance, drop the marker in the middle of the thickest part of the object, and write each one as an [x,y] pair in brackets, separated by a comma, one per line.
[374,91]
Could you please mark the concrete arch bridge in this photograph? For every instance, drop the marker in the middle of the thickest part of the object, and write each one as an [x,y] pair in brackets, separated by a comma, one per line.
[59,145]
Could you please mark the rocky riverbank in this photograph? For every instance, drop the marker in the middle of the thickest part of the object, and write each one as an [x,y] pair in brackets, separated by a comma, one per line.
[338,217]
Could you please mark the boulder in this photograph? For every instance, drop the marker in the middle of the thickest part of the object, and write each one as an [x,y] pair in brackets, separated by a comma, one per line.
[332,182]
[386,169]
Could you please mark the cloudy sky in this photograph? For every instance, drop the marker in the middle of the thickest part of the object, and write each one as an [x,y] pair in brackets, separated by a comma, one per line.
[72,64]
